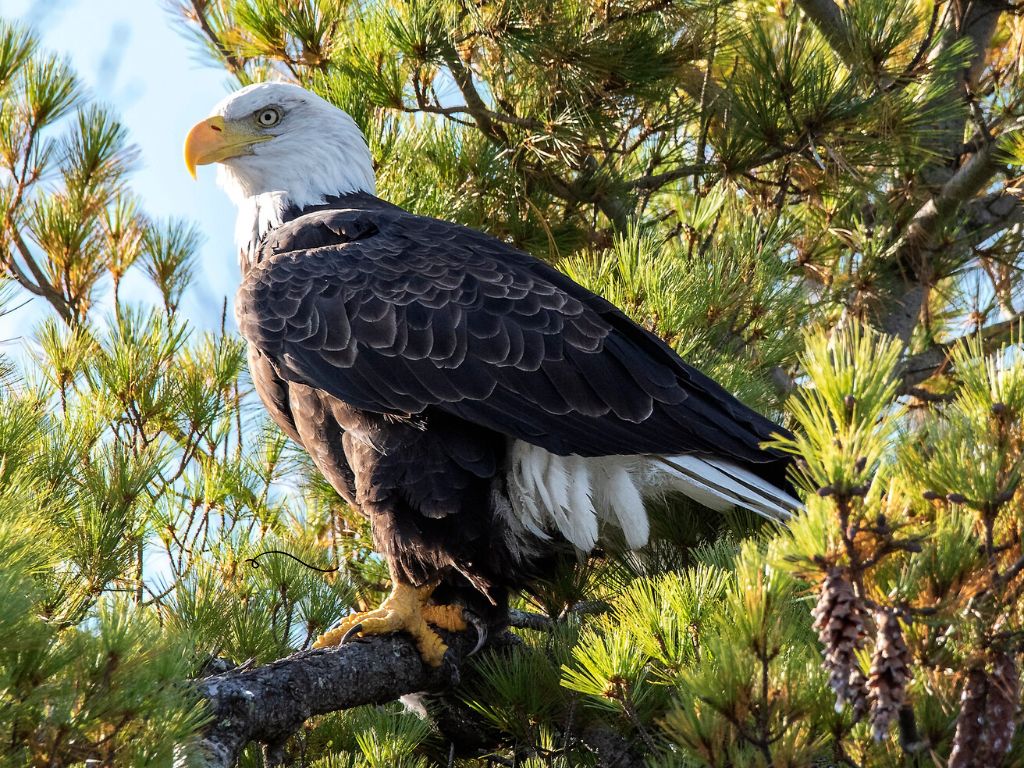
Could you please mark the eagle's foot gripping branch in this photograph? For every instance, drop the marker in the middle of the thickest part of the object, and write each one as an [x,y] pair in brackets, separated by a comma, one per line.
[405,610]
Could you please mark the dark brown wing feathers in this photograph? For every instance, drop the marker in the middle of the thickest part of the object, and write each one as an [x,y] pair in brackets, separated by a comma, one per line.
[395,313]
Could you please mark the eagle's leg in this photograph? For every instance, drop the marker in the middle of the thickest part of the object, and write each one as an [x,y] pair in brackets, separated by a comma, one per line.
[405,610]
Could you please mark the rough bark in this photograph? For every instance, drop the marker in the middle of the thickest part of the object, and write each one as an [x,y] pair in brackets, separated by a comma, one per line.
[268,704]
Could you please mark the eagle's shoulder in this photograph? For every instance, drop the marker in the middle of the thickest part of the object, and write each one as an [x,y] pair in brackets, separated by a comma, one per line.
[359,283]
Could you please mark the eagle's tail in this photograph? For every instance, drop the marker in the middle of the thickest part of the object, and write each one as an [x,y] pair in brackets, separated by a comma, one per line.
[720,485]
[574,495]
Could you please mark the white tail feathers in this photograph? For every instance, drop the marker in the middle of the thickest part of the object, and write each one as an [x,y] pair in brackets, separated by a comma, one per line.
[719,485]
[575,496]
[572,495]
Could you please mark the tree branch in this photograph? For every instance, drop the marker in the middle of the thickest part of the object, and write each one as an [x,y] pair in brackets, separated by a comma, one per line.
[196,10]
[828,18]
[538,621]
[475,105]
[698,84]
[950,187]
[919,367]
[990,214]
[270,703]
[43,288]
[658,180]
[963,185]
[920,235]
[462,109]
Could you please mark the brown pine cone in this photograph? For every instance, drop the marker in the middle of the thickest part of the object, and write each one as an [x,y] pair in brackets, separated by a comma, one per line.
[890,673]
[858,688]
[839,619]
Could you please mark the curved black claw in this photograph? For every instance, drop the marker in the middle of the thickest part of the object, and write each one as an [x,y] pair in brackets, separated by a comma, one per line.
[481,631]
[347,637]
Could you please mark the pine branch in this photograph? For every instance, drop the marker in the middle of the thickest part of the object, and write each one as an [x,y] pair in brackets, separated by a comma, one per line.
[912,255]
[196,10]
[528,620]
[990,214]
[828,18]
[963,185]
[270,703]
[462,109]
[475,105]
[700,86]
[922,366]
[42,288]
[658,180]
[538,621]
[953,187]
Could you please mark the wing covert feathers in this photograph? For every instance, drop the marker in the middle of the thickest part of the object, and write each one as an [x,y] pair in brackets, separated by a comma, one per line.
[396,313]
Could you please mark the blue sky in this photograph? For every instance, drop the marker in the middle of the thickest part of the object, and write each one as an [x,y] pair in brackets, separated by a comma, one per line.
[132,57]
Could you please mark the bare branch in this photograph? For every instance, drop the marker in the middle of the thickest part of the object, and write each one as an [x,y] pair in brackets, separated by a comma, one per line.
[658,180]
[270,703]
[922,366]
[42,288]
[963,185]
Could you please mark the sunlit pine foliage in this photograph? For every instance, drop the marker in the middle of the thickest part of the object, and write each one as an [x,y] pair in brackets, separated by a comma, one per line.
[759,184]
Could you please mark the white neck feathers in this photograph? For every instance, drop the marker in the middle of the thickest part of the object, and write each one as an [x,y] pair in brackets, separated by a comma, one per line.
[257,215]
[318,152]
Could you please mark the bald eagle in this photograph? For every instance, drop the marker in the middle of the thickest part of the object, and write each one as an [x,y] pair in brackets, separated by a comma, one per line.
[485,412]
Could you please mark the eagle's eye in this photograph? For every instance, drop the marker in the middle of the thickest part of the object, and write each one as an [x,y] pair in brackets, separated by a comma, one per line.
[268,117]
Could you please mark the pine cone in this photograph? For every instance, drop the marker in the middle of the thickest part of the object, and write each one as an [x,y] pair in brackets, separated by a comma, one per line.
[988,708]
[890,673]
[858,686]
[839,619]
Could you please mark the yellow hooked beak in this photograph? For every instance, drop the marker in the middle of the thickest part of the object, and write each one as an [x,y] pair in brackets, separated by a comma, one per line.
[214,139]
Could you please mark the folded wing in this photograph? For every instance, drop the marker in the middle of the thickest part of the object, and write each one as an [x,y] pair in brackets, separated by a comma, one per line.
[396,313]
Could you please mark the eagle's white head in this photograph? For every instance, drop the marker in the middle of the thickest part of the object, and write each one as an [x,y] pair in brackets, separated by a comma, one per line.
[278,145]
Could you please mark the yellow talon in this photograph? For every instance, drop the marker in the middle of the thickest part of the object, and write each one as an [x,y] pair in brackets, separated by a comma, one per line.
[447,617]
[404,610]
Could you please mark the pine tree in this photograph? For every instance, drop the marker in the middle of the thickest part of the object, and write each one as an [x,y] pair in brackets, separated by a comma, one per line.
[816,204]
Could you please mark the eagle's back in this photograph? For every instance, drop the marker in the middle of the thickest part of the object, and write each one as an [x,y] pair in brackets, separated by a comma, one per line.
[396,313]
